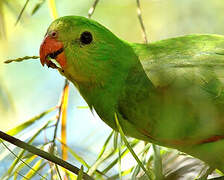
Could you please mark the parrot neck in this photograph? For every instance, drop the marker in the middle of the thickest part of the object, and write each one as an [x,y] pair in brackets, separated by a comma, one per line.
[104,97]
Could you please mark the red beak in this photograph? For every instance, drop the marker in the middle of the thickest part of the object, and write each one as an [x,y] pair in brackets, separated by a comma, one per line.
[54,49]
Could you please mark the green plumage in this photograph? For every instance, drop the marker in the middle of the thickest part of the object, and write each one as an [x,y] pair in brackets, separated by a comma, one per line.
[169,92]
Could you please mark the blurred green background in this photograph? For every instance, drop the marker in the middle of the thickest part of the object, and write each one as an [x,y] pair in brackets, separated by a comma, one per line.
[26,88]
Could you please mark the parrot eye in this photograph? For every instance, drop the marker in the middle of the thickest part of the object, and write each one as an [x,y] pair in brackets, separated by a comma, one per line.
[86,38]
[53,34]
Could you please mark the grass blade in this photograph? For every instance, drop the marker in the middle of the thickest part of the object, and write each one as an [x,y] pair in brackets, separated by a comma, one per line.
[37,6]
[123,173]
[21,12]
[115,139]
[2,22]
[15,162]
[80,175]
[42,154]
[36,167]
[124,153]
[157,162]
[76,156]
[105,145]
[20,159]
[26,124]
[119,160]
[149,174]
[22,165]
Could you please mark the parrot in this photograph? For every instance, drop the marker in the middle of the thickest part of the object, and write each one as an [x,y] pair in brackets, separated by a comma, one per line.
[168,92]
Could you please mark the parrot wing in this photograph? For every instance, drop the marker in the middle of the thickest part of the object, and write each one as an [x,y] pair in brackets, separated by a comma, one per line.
[197,59]
[188,73]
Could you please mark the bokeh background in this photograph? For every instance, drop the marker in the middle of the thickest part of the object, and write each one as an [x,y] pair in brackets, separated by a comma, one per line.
[27,89]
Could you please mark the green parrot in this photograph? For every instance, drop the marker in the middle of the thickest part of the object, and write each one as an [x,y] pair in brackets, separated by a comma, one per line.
[169,92]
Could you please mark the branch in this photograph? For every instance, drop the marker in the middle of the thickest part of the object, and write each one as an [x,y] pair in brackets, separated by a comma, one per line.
[60,110]
[43,154]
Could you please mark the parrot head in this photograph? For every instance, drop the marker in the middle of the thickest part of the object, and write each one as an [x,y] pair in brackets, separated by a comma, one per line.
[81,49]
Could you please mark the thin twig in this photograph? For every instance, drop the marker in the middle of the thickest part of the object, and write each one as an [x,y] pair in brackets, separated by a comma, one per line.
[141,21]
[59,112]
[21,59]
[92,9]
[52,148]
[21,12]
[43,154]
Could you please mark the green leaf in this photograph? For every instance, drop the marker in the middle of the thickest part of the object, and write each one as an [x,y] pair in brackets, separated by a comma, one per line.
[119,160]
[105,145]
[37,6]
[148,173]
[20,155]
[26,124]
[157,162]
[75,155]
[136,170]
[80,175]
[22,165]
[124,153]
[115,139]
[36,167]
[123,173]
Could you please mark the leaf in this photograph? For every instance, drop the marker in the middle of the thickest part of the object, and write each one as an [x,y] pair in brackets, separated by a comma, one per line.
[80,175]
[37,6]
[83,107]
[42,154]
[124,153]
[123,173]
[22,165]
[105,145]
[21,12]
[36,167]
[20,155]
[119,161]
[26,124]
[157,162]
[20,159]
[115,139]
[2,22]
[6,102]
[75,155]
[148,173]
